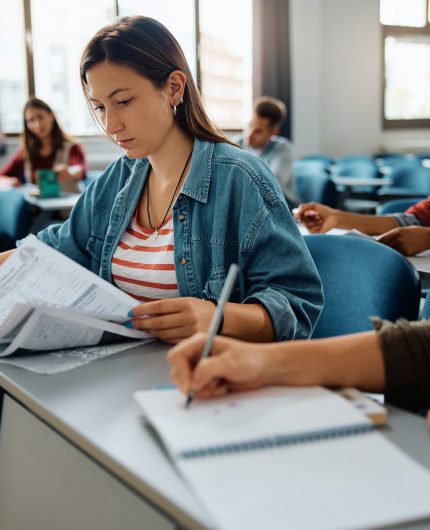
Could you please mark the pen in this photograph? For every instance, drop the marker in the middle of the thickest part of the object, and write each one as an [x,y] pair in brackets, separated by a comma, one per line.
[216,318]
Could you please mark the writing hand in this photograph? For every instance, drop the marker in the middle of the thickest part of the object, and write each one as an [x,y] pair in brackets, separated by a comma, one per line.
[316,217]
[232,366]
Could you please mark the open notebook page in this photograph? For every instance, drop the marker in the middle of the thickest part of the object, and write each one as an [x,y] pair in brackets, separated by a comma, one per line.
[244,416]
[354,482]
[349,483]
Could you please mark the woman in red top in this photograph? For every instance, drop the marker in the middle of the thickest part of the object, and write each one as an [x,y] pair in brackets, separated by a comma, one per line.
[44,146]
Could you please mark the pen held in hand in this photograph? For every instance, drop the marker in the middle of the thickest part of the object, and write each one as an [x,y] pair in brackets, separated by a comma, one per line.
[216,318]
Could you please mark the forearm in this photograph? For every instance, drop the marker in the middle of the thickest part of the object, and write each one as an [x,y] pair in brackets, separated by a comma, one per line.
[351,360]
[5,255]
[249,322]
[369,224]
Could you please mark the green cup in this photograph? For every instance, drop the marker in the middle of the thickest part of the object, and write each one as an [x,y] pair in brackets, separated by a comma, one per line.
[48,183]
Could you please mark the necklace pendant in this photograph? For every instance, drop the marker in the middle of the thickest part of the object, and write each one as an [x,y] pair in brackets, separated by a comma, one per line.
[155,235]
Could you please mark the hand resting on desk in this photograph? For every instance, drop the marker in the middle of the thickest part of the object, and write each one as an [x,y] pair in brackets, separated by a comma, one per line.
[408,240]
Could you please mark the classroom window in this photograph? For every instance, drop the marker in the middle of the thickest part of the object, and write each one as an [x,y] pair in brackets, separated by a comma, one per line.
[222,69]
[403,13]
[58,42]
[40,54]
[178,18]
[406,54]
[226,61]
[13,81]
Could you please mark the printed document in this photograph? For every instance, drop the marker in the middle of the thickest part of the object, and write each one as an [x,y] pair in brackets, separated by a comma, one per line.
[50,302]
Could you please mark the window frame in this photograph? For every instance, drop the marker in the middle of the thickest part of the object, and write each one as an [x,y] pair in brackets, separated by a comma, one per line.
[397,32]
[29,61]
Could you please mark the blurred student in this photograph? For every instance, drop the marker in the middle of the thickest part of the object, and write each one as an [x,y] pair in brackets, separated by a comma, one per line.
[394,359]
[165,222]
[261,138]
[408,232]
[44,145]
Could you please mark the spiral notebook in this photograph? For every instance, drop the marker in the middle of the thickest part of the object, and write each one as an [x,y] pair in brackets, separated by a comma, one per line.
[287,458]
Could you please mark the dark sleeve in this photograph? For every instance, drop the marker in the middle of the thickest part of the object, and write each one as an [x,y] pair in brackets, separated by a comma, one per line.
[15,166]
[406,353]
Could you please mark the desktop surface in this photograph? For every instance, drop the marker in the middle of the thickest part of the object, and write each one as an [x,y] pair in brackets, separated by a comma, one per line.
[93,408]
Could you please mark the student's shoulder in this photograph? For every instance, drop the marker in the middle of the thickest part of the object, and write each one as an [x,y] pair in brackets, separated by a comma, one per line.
[281,144]
[236,156]
[246,167]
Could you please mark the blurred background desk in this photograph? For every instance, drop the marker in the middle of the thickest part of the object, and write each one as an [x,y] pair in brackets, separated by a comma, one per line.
[346,186]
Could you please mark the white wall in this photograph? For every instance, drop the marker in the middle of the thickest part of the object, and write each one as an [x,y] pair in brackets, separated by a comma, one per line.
[306,39]
[336,72]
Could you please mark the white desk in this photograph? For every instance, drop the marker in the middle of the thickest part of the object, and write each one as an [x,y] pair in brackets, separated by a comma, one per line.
[349,183]
[74,453]
[422,263]
[352,182]
[65,201]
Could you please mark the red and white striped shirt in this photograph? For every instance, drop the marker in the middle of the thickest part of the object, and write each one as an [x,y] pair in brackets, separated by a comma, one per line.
[143,265]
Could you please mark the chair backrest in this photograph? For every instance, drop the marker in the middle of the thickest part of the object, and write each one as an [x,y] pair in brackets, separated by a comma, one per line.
[361,278]
[15,215]
[397,205]
[327,159]
[316,187]
[416,178]
[353,159]
[356,169]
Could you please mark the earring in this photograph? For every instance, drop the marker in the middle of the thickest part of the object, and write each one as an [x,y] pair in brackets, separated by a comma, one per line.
[178,102]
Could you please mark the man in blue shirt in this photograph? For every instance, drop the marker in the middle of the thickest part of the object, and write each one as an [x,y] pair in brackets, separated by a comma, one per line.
[261,138]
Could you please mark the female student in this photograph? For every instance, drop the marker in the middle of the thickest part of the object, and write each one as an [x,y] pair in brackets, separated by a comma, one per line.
[45,146]
[165,222]
[394,359]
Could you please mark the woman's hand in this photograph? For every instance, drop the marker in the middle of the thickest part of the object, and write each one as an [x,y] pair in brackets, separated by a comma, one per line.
[173,319]
[232,366]
[316,217]
[408,240]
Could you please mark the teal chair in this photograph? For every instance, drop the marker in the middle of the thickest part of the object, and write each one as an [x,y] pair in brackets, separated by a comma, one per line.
[397,205]
[413,181]
[15,218]
[361,278]
[316,186]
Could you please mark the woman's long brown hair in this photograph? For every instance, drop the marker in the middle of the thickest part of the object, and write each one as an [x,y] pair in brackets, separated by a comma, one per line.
[149,48]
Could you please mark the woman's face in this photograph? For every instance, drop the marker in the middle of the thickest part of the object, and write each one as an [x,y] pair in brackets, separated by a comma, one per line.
[136,114]
[39,122]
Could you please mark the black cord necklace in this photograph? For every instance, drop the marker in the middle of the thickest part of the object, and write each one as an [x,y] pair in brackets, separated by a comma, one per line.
[157,228]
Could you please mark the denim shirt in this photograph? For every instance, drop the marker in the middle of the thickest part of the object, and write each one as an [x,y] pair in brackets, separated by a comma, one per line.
[230,210]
